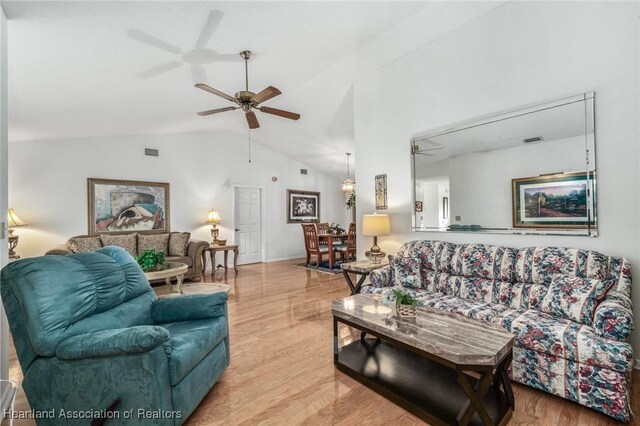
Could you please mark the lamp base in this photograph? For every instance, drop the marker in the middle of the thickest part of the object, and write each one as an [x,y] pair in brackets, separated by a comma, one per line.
[13,243]
[214,235]
[375,256]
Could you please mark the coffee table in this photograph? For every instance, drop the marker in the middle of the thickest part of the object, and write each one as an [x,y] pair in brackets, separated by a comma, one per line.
[423,363]
[173,270]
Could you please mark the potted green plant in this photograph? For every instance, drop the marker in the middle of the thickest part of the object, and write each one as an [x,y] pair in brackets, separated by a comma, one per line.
[406,305]
[151,260]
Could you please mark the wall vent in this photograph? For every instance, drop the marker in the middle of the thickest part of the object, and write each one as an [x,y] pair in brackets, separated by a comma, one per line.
[151,152]
[303,171]
[534,139]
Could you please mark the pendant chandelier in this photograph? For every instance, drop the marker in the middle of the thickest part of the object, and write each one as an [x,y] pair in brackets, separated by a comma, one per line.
[349,185]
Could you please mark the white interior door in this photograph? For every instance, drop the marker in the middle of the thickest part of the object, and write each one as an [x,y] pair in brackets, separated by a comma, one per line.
[248,223]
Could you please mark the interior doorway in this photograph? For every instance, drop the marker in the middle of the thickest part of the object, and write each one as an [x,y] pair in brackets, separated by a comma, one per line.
[248,223]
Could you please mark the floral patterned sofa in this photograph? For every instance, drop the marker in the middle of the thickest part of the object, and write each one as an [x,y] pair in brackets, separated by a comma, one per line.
[569,310]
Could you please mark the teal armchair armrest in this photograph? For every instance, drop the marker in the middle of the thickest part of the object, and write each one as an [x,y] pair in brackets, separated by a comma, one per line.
[119,341]
[189,308]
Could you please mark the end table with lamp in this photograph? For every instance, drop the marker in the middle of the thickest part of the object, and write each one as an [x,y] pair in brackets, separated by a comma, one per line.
[13,222]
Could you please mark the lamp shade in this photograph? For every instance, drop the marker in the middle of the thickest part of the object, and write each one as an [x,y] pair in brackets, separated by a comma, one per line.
[14,220]
[375,225]
[213,217]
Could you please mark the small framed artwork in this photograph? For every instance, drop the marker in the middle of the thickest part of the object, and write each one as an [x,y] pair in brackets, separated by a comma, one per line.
[303,206]
[559,201]
[445,207]
[418,206]
[119,206]
[381,192]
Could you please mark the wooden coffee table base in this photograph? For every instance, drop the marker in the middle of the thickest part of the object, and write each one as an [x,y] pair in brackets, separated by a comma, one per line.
[438,394]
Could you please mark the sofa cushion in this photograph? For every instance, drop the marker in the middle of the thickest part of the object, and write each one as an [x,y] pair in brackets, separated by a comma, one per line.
[158,242]
[574,298]
[481,260]
[84,244]
[613,318]
[182,259]
[523,295]
[539,264]
[435,255]
[406,271]
[129,242]
[178,243]
[191,341]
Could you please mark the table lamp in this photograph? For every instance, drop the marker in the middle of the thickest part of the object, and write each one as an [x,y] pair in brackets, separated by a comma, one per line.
[375,225]
[14,222]
[214,219]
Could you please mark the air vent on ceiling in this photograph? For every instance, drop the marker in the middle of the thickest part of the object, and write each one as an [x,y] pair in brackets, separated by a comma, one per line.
[303,171]
[151,152]
[534,139]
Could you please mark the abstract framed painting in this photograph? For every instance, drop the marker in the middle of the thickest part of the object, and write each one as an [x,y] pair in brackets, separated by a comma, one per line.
[556,201]
[381,192]
[120,206]
[303,206]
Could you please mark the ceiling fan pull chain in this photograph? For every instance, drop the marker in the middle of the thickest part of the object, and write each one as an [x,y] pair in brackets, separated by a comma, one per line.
[249,146]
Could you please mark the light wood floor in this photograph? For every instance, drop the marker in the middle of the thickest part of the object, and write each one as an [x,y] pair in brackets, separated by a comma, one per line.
[282,369]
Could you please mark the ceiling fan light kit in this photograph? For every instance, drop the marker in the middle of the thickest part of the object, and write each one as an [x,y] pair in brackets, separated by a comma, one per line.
[247,100]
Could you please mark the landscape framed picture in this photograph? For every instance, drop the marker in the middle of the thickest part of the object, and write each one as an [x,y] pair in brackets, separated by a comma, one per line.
[303,206]
[119,206]
[381,192]
[559,201]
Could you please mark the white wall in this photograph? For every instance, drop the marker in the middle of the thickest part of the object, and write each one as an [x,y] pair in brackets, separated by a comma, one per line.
[4,327]
[516,54]
[48,185]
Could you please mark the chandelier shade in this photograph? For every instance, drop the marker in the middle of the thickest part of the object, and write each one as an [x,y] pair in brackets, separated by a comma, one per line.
[348,185]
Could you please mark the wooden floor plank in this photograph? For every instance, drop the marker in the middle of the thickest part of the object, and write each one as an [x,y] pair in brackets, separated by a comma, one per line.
[282,369]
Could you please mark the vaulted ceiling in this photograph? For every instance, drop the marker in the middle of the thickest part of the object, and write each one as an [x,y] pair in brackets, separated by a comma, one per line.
[86,69]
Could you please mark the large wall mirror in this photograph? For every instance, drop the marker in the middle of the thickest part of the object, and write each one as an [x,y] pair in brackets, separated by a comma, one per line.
[526,171]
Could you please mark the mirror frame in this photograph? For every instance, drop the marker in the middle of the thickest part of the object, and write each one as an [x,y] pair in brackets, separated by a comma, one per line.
[590,147]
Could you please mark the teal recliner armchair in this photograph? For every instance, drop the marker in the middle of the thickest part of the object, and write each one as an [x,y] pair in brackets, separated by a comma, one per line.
[94,342]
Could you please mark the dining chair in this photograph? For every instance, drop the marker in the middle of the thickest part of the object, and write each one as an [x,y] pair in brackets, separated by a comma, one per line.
[323,228]
[349,249]
[312,243]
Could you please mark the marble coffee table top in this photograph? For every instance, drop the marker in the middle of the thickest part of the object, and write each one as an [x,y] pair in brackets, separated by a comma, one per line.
[452,337]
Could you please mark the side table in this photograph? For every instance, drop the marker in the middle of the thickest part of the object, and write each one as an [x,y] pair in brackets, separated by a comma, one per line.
[212,250]
[362,268]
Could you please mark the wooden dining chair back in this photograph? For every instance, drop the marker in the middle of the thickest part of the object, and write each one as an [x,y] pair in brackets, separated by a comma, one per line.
[349,249]
[312,243]
[323,228]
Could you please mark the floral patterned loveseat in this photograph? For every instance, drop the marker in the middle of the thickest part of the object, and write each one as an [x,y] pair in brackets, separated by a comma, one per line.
[569,310]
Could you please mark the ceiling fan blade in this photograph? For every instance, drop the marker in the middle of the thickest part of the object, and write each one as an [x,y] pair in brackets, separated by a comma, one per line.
[160,69]
[145,38]
[216,92]
[266,94]
[280,113]
[214,18]
[215,111]
[252,120]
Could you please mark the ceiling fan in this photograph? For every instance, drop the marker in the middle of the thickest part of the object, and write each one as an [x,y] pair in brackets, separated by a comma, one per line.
[248,100]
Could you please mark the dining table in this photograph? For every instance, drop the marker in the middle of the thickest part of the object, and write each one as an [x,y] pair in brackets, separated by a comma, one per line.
[331,239]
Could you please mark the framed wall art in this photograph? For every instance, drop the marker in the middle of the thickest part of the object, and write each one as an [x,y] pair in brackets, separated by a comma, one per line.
[303,206]
[559,201]
[381,192]
[118,206]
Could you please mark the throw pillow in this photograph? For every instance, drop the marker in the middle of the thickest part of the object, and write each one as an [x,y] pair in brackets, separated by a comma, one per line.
[406,271]
[159,242]
[127,242]
[178,243]
[84,244]
[574,298]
